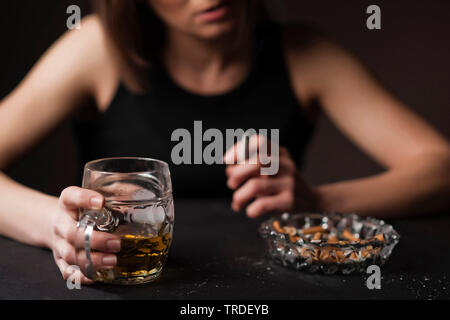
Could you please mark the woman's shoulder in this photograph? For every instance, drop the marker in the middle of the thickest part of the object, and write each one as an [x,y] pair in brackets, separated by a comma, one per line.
[312,47]
[89,45]
[87,59]
[312,56]
[101,65]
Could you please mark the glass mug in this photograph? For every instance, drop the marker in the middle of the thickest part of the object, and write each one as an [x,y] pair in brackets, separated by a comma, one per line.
[138,209]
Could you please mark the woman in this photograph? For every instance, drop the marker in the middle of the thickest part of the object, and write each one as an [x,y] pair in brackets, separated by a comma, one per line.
[147,67]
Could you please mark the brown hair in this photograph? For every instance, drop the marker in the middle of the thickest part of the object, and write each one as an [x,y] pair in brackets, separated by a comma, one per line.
[130,22]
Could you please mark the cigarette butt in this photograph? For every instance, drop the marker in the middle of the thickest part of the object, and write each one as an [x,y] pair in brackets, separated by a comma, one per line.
[332,239]
[290,231]
[312,230]
[354,256]
[315,255]
[317,236]
[349,236]
[365,253]
[309,254]
[379,237]
[277,227]
[294,239]
[304,253]
[340,256]
[325,255]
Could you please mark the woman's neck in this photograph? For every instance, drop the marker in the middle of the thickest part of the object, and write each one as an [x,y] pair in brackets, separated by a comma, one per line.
[201,53]
[203,65]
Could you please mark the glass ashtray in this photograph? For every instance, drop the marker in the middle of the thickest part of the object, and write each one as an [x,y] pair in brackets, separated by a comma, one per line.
[331,242]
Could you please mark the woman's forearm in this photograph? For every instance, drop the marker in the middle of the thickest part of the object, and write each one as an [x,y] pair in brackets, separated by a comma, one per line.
[25,214]
[421,186]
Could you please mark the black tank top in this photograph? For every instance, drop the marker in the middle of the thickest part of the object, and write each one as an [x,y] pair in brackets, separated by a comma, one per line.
[142,125]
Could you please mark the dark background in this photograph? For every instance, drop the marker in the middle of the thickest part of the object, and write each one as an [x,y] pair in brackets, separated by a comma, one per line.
[410,55]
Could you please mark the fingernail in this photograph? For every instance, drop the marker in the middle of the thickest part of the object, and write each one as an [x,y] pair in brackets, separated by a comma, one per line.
[96,202]
[251,214]
[113,245]
[109,260]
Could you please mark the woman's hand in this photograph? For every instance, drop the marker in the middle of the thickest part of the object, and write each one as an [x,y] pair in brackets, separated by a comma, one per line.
[64,231]
[284,191]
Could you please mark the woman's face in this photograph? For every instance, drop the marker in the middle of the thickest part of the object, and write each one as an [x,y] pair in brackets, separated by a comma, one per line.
[208,19]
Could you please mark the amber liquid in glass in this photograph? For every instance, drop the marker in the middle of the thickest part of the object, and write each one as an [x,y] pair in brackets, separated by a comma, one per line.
[144,246]
[139,257]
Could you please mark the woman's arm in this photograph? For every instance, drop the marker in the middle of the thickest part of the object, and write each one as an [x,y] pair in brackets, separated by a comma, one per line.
[65,77]
[25,214]
[416,156]
[76,68]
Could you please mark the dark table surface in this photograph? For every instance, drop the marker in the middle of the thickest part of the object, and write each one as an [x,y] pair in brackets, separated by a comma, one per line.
[217,254]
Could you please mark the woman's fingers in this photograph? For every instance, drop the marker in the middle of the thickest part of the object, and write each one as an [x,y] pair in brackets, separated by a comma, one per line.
[68,246]
[239,173]
[66,228]
[100,260]
[65,251]
[73,198]
[68,271]
[257,187]
[105,242]
[277,203]
[237,152]
[269,193]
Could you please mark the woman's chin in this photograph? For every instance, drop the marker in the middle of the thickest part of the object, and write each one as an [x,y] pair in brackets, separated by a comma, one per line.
[216,31]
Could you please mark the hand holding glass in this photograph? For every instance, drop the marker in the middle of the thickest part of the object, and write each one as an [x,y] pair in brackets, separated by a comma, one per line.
[138,210]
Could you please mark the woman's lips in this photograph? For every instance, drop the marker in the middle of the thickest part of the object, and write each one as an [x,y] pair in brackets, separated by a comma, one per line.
[216,13]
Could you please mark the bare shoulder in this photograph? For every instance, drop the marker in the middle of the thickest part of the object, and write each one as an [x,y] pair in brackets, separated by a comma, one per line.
[75,69]
[102,68]
[301,44]
[85,57]
[315,60]
[311,46]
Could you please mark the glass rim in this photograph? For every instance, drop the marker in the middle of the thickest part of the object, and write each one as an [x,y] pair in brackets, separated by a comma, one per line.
[88,165]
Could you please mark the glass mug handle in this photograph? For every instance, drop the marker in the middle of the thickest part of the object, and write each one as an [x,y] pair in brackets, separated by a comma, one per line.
[103,220]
